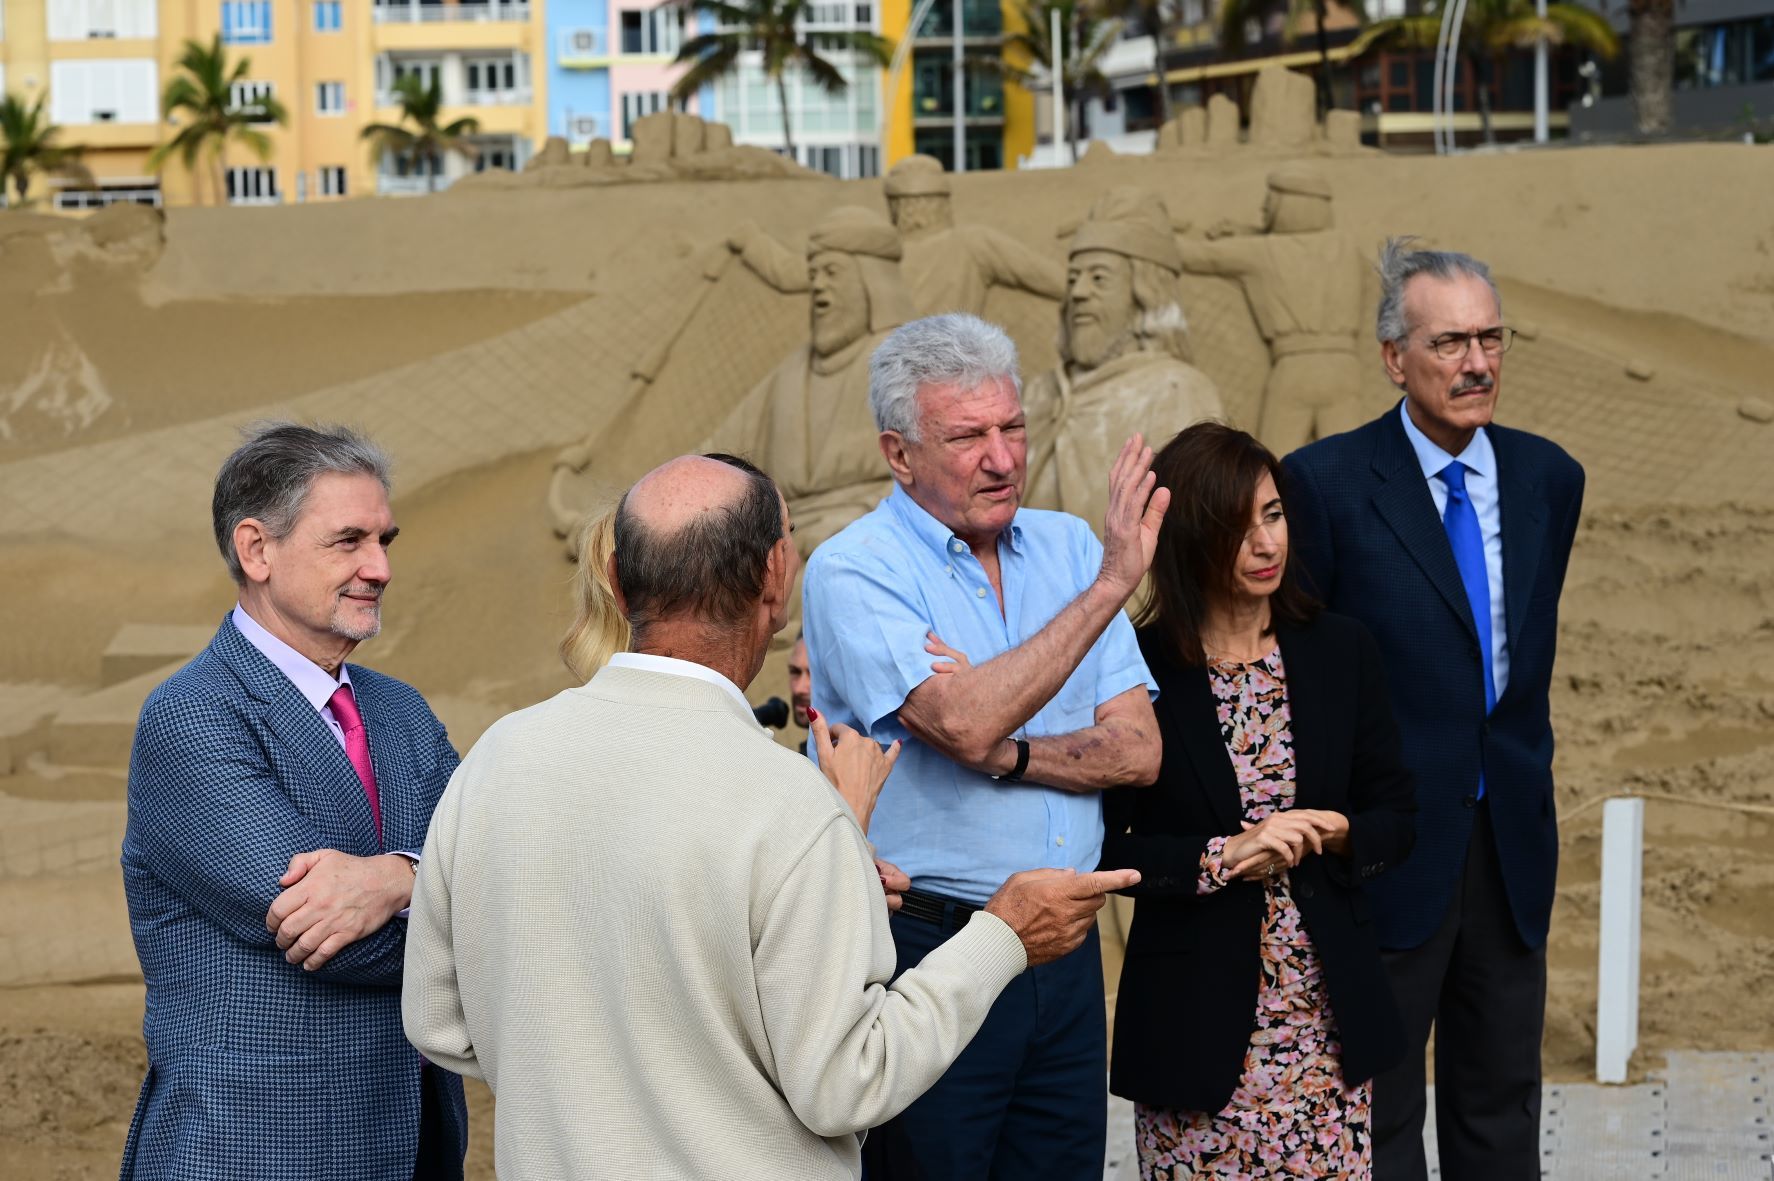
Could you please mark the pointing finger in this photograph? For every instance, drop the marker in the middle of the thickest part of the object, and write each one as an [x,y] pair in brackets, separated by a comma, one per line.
[1102,881]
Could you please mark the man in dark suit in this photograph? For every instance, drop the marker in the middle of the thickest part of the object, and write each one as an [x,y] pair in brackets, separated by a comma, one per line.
[272,791]
[1449,537]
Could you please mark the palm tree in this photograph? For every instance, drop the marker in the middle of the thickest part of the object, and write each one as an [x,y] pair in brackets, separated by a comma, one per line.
[1493,27]
[773,29]
[29,146]
[1085,37]
[420,104]
[205,92]
[1651,32]
[1236,15]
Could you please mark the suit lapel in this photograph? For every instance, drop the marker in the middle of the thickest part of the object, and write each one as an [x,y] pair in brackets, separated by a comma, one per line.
[1300,661]
[1523,516]
[1404,503]
[1197,716]
[300,728]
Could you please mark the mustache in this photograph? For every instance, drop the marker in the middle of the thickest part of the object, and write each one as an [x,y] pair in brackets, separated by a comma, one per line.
[363,591]
[1482,381]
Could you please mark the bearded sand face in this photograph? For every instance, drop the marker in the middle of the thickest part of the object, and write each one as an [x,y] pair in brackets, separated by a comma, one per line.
[1101,314]
[840,302]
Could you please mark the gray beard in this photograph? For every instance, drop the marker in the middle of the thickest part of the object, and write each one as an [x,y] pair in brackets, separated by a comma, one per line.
[1091,346]
[359,634]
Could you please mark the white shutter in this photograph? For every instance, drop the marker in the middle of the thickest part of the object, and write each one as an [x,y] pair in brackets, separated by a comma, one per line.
[139,101]
[67,22]
[69,99]
[104,92]
[139,18]
[101,18]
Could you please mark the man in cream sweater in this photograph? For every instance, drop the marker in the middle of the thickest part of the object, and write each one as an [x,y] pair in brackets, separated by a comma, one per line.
[660,937]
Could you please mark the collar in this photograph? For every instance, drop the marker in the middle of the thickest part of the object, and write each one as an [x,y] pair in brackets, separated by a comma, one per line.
[936,535]
[647,662]
[314,683]
[1478,457]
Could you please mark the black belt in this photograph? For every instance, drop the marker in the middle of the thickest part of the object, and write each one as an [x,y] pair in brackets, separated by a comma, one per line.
[934,908]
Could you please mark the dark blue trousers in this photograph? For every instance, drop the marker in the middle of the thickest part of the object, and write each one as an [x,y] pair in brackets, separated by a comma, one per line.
[1027,1099]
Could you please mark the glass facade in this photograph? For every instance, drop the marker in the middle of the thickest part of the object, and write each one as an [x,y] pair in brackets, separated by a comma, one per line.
[1733,54]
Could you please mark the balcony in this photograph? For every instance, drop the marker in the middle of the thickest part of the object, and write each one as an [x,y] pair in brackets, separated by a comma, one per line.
[417,14]
[933,94]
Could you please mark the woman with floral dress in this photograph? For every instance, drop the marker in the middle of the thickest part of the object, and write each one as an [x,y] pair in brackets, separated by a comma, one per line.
[1253,1009]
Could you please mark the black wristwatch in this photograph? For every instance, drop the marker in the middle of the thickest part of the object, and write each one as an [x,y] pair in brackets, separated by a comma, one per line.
[1022,762]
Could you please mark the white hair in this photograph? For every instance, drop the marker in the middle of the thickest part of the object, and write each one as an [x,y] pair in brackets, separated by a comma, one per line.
[1399,264]
[953,349]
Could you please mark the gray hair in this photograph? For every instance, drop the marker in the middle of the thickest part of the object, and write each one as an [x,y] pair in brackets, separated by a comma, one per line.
[268,477]
[711,569]
[1399,264]
[953,349]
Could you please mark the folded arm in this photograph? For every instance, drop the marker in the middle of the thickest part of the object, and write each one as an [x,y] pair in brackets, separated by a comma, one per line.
[219,829]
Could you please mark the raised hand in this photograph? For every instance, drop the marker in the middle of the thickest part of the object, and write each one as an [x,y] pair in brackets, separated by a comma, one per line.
[1136,512]
[856,766]
[1052,910]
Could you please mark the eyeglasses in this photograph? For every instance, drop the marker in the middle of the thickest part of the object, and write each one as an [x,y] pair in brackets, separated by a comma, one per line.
[1451,346]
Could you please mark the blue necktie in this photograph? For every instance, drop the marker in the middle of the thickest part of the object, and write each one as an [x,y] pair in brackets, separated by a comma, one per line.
[1461,522]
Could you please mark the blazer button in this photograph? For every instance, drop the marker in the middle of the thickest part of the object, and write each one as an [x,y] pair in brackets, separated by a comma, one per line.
[1471,800]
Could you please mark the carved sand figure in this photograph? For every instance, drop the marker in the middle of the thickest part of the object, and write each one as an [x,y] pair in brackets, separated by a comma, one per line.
[1304,283]
[1124,355]
[949,267]
[808,423]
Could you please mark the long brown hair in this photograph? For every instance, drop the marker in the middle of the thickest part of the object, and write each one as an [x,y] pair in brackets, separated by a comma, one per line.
[1212,471]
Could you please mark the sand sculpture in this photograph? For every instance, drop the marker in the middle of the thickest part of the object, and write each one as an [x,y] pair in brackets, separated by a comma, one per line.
[808,423]
[1283,121]
[1304,283]
[949,267]
[665,146]
[1125,363]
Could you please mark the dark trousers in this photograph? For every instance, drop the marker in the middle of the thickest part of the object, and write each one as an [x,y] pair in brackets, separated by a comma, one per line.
[440,1154]
[1484,993]
[1027,1099]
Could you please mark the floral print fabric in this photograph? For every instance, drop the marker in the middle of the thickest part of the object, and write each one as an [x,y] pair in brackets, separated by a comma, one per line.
[1291,1116]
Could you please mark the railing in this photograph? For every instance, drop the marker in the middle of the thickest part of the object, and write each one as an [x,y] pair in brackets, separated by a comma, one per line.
[404,14]
[390,185]
[517,97]
[99,198]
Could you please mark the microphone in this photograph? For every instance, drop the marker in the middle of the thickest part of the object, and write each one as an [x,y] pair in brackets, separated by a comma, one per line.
[773,713]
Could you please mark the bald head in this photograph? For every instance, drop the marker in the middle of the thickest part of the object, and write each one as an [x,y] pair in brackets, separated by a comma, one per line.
[693,543]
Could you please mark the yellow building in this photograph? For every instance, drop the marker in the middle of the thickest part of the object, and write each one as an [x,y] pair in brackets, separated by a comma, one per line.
[997,115]
[105,64]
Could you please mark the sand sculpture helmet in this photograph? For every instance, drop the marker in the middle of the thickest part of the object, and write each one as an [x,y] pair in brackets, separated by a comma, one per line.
[853,266]
[1121,283]
[1298,201]
[918,196]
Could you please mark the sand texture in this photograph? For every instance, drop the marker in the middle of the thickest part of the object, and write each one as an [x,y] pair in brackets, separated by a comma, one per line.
[480,333]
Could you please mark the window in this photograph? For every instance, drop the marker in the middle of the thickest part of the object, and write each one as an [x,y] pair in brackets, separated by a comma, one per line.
[250,97]
[425,71]
[112,90]
[497,153]
[332,180]
[252,186]
[329,98]
[327,16]
[246,22]
[489,76]
[81,20]
[655,31]
[646,102]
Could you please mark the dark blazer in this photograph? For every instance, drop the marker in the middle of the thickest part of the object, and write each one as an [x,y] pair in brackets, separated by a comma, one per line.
[1364,523]
[1188,998]
[256,1067]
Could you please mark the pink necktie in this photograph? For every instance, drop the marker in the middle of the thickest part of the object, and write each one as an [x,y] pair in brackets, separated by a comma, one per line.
[357,749]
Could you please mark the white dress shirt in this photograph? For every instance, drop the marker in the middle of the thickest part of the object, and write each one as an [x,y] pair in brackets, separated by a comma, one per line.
[1481,486]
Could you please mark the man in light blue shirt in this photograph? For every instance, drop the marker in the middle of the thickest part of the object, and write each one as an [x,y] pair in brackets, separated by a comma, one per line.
[990,638]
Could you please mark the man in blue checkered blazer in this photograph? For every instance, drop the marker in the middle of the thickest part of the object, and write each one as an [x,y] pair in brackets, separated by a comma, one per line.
[272,791]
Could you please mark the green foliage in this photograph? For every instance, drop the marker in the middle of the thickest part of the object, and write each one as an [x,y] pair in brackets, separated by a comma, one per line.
[773,29]
[201,99]
[28,146]
[425,142]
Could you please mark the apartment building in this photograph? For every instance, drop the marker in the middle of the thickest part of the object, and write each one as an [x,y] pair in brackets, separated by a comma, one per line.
[609,63]
[332,63]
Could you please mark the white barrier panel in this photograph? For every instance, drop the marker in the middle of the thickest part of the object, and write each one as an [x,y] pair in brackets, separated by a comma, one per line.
[1616,993]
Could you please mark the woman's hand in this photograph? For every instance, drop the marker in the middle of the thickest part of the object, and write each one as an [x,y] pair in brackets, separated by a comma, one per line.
[1273,844]
[1333,829]
[856,766]
[954,660]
